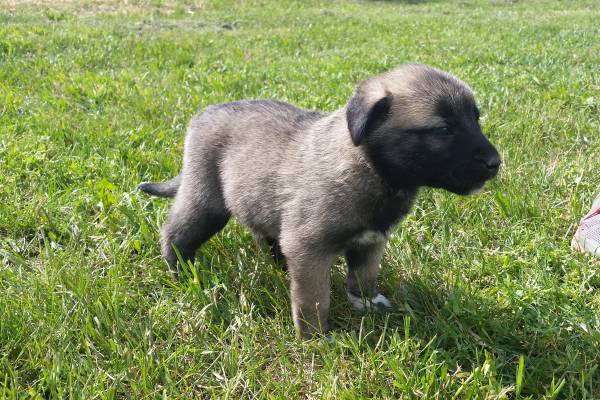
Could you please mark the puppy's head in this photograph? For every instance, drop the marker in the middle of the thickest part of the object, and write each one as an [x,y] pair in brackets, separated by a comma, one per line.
[420,127]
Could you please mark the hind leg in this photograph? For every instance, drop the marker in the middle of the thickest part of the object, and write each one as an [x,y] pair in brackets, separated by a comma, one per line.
[197,214]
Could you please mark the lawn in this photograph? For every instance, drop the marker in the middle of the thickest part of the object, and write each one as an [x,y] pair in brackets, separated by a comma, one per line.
[489,299]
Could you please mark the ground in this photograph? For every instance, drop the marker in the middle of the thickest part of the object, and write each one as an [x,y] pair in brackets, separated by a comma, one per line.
[488,299]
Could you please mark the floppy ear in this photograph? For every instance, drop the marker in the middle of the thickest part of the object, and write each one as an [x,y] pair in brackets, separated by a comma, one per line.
[363,114]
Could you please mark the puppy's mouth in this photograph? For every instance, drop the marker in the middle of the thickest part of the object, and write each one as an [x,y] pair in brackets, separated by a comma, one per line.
[464,187]
[467,180]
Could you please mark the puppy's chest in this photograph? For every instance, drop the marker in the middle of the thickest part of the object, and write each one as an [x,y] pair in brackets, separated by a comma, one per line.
[389,213]
[383,219]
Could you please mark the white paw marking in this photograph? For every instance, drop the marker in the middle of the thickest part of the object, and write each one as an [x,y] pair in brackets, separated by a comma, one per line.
[361,304]
[381,299]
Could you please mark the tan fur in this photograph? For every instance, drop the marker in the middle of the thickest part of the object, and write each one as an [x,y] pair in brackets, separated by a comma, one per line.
[321,185]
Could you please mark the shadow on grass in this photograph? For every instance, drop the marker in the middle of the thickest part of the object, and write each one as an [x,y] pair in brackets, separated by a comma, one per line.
[464,325]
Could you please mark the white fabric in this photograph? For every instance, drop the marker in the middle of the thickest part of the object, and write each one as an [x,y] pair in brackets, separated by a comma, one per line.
[587,237]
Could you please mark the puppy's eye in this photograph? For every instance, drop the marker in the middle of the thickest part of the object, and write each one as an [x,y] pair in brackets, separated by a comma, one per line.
[437,131]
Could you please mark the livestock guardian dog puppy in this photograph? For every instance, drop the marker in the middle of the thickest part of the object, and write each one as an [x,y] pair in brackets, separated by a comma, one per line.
[324,184]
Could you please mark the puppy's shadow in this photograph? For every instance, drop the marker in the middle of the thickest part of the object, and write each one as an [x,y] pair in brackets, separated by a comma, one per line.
[462,325]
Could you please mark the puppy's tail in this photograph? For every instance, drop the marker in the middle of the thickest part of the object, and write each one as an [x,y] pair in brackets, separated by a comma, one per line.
[161,189]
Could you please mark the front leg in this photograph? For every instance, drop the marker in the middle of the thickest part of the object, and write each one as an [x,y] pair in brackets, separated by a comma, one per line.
[363,258]
[310,274]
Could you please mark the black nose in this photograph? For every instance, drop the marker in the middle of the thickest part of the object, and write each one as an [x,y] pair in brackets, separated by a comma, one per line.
[492,162]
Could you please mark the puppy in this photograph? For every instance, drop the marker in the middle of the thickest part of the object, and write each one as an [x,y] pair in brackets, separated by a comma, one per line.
[324,184]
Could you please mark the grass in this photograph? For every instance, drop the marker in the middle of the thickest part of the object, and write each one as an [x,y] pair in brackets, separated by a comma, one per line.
[489,300]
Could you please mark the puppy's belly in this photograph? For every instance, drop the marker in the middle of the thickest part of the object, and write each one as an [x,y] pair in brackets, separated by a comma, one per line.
[250,187]
[264,223]
[255,209]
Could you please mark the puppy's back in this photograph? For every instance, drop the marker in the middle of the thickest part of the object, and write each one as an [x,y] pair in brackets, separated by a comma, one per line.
[247,143]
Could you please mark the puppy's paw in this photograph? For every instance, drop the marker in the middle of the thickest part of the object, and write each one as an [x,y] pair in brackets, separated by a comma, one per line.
[369,304]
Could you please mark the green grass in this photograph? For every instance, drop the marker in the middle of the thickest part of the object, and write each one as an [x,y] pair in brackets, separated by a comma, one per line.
[489,300]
